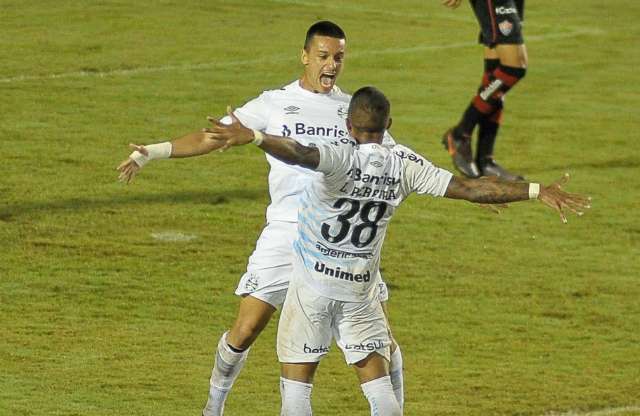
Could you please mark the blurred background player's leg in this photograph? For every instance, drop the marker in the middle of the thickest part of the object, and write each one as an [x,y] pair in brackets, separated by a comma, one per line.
[505,65]
[511,61]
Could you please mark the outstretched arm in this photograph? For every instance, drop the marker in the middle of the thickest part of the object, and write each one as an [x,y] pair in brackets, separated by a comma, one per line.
[193,144]
[285,149]
[486,191]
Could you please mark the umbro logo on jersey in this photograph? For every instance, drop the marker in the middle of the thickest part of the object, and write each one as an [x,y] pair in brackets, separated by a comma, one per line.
[292,109]
[342,111]
[376,164]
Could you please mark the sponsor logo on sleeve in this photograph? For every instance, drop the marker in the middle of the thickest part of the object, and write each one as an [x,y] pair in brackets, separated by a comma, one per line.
[410,156]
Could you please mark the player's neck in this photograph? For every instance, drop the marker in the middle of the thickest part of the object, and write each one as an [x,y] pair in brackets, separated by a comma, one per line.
[365,137]
[306,85]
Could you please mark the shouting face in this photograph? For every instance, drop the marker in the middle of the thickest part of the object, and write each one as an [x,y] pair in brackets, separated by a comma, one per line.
[322,61]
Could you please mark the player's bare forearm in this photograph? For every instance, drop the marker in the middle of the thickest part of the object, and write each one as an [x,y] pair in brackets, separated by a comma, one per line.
[194,144]
[486,191]
[290,151]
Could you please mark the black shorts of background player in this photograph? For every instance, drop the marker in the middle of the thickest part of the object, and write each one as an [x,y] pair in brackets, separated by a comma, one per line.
[505,63]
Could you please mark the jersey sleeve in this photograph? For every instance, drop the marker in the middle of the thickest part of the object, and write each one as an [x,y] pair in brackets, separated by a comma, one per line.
[335,161]
[254,114]
[424,178]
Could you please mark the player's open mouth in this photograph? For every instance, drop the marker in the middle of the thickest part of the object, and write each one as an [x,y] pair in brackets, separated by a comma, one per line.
[327,80]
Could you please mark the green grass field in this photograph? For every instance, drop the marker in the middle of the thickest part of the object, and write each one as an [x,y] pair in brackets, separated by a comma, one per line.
[510,314]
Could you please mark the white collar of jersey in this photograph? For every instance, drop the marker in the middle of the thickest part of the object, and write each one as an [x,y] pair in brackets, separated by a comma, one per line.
[368,144]
[296,84]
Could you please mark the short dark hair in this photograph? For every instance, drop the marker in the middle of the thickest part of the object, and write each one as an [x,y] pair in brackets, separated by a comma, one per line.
[369,110]
[323,28]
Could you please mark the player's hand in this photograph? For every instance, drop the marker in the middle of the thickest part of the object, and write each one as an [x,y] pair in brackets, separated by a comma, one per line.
[129,168]
[452,4]
[553,196]
[234,134]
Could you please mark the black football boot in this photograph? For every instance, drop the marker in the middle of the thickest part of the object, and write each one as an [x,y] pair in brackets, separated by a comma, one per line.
[459,147]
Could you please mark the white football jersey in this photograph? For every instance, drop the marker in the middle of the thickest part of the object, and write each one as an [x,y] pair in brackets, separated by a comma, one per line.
[292,111]
[344,214]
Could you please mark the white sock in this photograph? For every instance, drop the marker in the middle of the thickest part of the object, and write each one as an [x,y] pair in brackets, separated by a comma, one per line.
[395,371]
[381,397]
[296,398]
[225,371]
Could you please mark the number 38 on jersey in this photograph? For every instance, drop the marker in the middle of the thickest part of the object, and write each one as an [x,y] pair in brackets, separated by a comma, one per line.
[358,222]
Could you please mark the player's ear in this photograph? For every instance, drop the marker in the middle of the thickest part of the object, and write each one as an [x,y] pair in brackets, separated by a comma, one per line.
[349,127]
[389,122]
[304,57]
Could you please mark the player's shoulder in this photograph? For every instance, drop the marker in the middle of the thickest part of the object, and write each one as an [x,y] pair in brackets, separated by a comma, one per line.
[408,155]
[343,147]
[279,91]
[344,144]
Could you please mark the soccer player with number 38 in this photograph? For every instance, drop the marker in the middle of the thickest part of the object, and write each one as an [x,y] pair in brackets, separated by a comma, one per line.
[342,222]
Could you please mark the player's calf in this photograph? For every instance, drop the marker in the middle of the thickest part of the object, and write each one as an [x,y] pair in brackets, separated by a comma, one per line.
[227,366]
[296,398]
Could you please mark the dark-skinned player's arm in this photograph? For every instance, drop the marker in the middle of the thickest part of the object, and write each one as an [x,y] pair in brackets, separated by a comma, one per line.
[486,191]
[283,148]
[481,191]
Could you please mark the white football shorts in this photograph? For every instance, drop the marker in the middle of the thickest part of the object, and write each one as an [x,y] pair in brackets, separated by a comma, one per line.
[270,265]
[309,322]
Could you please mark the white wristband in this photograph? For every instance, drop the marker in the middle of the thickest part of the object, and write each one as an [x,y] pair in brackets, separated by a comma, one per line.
[258,137]
[534,190]
[156,151]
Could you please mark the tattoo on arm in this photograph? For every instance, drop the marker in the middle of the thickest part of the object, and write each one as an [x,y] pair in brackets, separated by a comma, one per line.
[290,151]
[486,191]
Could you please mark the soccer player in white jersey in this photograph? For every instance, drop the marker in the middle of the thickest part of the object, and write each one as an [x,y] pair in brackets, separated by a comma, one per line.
[311,109]
[341,227]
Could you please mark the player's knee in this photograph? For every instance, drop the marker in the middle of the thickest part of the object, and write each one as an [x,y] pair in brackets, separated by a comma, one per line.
[243,334]
[506,77]
[509,76]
